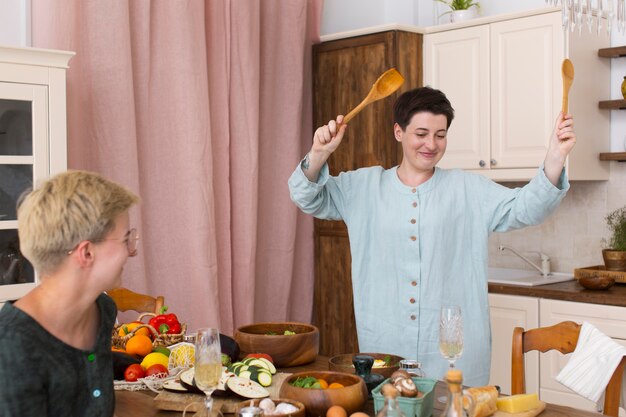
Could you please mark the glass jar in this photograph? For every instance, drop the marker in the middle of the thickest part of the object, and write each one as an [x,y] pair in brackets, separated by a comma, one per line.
[454,403]
[413,367]
[391,407]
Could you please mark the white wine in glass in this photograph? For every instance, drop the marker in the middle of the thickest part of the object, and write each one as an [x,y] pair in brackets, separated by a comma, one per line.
[450,336]
[208,363]
[451,333]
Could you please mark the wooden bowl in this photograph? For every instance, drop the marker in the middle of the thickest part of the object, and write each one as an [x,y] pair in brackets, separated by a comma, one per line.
[352,396]
[596,282]
[285,350]
[343,363]
[255,403]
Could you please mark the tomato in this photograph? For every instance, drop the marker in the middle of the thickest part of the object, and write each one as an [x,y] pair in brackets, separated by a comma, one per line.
[134,372]
[260,355]
[157,369]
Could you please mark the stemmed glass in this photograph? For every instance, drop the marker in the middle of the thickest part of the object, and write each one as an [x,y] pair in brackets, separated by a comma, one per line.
[450,335]
[208,364]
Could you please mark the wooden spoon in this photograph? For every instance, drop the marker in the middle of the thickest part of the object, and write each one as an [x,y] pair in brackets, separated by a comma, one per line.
[567,72]
[385,85]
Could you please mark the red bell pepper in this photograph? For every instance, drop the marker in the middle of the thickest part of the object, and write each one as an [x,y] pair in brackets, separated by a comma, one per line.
[166,323]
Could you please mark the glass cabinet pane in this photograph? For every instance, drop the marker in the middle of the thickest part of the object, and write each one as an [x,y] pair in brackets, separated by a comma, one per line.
[16,127]
[14,268]
[14,180]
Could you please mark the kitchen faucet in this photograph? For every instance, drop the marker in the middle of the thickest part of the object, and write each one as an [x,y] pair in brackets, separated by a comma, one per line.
[545,261]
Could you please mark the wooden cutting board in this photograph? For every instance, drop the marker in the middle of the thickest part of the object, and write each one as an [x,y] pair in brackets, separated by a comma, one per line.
[174,401]
[529,413]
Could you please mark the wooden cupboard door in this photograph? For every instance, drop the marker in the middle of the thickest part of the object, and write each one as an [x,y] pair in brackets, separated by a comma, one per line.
[334,306]
[508,312]
[457,63]
[526,57]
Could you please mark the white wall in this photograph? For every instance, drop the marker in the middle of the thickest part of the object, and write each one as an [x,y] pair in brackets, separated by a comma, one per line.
[15,23]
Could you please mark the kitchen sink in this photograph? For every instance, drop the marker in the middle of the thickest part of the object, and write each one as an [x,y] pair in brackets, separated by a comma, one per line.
[525,277]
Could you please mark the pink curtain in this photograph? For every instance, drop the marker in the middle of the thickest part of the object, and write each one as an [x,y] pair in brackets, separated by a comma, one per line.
[203,109]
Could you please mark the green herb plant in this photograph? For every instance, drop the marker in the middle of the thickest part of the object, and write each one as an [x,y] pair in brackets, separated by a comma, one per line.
[616,221]
[455,5]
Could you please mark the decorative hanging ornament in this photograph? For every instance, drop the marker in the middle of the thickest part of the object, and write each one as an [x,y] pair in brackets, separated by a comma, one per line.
[592,13]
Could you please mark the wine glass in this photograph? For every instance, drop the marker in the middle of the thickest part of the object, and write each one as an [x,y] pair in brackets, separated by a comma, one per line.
[208,364]
[450,335]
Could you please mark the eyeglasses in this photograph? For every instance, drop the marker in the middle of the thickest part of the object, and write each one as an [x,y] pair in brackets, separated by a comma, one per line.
[130,238]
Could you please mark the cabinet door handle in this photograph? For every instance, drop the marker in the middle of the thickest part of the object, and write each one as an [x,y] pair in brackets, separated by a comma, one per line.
[482,163]
[494,162]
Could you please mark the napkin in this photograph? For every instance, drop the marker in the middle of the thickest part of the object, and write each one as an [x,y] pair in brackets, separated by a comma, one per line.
[592,363]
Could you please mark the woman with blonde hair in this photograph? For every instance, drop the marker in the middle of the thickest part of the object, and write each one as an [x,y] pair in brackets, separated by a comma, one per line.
[55,342]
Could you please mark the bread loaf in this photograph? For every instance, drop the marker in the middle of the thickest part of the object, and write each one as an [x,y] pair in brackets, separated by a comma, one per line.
[484,399]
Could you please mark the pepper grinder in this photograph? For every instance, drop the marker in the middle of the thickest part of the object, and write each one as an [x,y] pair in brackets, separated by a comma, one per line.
[363,365]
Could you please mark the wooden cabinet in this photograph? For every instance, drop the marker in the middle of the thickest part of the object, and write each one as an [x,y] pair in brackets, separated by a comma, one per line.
[32,146]
[343,73]
[504,81]
[508,312]
[615,52]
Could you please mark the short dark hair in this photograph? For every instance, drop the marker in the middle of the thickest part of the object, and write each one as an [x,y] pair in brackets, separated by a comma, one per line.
[422,99]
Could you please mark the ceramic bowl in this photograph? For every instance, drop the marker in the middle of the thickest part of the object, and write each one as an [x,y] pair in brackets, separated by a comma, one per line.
[352,396]
[596,282]
[255,403]
[286,350]
[343,363]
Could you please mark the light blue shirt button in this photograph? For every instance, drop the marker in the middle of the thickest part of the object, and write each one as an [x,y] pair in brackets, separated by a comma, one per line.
[96,393]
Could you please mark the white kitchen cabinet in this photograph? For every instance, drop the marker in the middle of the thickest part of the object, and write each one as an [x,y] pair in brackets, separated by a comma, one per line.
[611,320]
[33,146]
[508,312]
[503,78]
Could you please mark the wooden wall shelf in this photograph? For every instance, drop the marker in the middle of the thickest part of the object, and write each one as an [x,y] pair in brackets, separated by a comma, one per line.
[612,104]
[614,52]
[613,156]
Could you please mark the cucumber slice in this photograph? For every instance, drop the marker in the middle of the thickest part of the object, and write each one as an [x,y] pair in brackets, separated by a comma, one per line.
[264,378]
[259,363]
[246,388]
[245,374]
[269,364]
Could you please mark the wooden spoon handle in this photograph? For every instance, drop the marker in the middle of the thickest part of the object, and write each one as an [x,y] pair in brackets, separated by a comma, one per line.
[355,111]
[565,101]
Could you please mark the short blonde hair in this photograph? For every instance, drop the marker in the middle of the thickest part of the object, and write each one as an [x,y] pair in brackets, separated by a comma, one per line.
[65,210]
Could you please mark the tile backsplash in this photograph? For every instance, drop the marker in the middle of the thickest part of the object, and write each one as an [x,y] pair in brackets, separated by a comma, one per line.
[572,236]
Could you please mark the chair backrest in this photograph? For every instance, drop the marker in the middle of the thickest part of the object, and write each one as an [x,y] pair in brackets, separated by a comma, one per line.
[126,299]
[562,337]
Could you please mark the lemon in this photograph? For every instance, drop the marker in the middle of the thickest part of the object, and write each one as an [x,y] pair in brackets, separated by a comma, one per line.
[153,358]
[182,354]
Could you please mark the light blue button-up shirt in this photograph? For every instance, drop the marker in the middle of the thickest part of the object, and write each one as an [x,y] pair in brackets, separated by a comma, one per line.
[415,249]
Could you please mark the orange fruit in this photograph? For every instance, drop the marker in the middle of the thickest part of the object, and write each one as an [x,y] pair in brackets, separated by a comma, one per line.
[139,344]
[335,385]
[323,383]
[129,327]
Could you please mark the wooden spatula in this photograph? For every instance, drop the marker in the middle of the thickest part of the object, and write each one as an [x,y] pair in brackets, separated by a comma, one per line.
[567,72]
[385,85]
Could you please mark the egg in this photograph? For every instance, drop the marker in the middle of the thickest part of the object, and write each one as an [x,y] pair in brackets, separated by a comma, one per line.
[359,414]
[336,411]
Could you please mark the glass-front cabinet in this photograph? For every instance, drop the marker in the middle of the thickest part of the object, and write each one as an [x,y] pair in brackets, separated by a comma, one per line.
[33,146]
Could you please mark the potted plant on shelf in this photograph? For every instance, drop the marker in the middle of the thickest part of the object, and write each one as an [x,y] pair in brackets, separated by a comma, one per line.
[614,253]
[461,9]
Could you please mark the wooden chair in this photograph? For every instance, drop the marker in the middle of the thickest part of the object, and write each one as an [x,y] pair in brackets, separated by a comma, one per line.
[126,299]
[562,337]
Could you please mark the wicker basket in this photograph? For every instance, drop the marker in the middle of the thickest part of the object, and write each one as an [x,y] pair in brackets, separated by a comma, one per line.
[119,342]
[600,270]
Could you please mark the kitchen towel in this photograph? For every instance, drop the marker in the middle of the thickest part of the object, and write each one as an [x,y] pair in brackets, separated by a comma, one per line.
[592,363]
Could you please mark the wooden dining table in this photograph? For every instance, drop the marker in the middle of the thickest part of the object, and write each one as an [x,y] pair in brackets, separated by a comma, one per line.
[141,403]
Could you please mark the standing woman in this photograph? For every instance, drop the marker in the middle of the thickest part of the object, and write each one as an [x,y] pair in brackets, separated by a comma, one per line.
[418,233]
[55,342]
